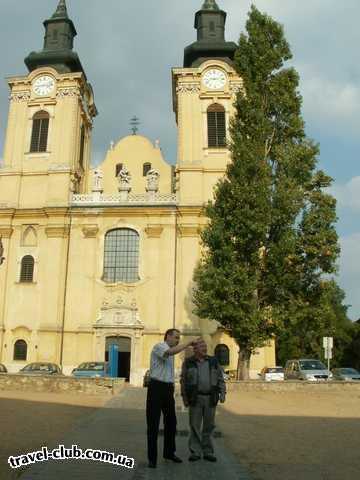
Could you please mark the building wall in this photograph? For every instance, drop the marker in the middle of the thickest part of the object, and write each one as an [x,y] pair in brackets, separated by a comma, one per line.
[68,311]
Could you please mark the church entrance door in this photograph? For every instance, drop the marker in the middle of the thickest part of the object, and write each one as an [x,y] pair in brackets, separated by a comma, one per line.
[124,355]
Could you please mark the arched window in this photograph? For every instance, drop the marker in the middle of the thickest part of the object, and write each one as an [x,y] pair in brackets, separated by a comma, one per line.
[216,126]
[118,169]
[222,354]
[146,169]
[27,269]
[121,256]
[40,130]
[20,350]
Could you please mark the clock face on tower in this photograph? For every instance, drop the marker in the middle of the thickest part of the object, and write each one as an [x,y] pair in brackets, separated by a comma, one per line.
[214,79]
[43,85]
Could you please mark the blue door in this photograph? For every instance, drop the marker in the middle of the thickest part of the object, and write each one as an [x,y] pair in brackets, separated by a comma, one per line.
[113,360]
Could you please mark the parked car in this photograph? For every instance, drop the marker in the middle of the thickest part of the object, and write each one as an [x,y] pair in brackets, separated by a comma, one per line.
[3,369]
[229,375]
[269,374]
[41,368]
[91,369]
[307,369]
[346,374]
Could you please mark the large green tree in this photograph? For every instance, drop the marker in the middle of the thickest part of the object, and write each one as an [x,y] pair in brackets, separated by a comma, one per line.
[304,329]
[271,235]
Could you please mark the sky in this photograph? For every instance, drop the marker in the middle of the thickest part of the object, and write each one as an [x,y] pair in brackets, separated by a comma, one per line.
[128,48]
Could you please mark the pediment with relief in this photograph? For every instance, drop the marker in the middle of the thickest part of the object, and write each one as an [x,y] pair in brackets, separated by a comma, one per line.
[119,311]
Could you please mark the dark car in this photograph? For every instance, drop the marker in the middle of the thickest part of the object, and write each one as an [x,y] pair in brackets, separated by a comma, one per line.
[41,368]
[91,369]
[346,374]
[3,369]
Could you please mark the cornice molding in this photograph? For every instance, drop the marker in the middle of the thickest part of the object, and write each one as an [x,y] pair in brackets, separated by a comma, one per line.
[187,87]
[6,212]
[125,212]
[66,92]
[18,97]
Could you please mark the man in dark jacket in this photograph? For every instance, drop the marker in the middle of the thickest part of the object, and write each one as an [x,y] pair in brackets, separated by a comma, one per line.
[202,386]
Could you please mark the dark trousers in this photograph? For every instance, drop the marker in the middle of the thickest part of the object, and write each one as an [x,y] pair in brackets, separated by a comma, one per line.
[160,398]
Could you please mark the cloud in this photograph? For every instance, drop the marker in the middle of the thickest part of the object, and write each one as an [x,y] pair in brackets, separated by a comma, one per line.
[348,194]
[349,276]
[331,104]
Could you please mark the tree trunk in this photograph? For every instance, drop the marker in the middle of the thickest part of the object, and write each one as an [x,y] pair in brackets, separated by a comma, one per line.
[243,365]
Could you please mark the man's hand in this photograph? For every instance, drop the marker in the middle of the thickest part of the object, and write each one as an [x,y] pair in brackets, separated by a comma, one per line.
[186,403]
[222,397]
[194,342]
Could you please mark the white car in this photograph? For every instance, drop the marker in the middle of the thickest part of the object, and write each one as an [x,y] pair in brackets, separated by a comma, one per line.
[269,374]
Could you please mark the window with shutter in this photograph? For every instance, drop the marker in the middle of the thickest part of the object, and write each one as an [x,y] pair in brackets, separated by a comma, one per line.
[27,269]
[222,353]
[20,350]
[216,126]
[40,131]
[118,169]
[82,146]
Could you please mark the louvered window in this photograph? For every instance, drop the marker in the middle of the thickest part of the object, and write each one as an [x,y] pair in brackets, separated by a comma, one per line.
[222,353]
[146,169]
[40,130]
[20,350]
[121,256]
[216,126]
[27,269]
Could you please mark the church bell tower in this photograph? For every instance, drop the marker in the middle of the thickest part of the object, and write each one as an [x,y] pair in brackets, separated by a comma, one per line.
[51,111]
[204,91]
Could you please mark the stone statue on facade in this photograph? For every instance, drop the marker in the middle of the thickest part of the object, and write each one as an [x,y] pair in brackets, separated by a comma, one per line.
[124,179]
[97,184]
[152,180]
[75,180]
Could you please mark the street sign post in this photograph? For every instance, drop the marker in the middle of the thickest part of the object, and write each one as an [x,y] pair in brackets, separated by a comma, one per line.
[328,343]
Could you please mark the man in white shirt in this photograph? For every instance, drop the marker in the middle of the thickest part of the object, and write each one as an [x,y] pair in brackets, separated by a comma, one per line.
[160,396]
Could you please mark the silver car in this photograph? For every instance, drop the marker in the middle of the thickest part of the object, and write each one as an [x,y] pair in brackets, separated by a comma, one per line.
[41,368]
[346,374]
[307,369]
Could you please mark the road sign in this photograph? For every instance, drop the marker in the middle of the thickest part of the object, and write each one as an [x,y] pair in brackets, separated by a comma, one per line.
[328,342]
[328,354]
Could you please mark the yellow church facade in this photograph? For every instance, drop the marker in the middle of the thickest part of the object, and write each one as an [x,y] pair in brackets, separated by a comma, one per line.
[106,254]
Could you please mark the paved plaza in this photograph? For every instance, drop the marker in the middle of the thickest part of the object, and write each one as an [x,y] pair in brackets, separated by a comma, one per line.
[120,427]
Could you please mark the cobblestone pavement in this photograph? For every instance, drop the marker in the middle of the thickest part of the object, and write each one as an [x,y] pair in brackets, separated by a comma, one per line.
[120,427]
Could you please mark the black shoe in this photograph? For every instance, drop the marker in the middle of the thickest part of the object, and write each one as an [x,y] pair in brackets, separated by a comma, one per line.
[193,457]
[210,458]
[174,458]
[152,465]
